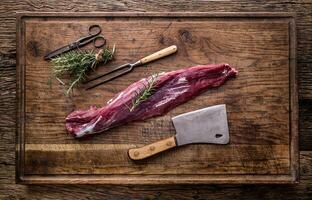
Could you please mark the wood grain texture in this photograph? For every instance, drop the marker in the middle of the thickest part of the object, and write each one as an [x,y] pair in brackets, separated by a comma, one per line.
[257,101]
[10,190]
[56,159]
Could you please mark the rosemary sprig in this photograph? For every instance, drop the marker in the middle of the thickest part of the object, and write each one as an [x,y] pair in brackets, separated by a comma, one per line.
[142,96]
[77,63]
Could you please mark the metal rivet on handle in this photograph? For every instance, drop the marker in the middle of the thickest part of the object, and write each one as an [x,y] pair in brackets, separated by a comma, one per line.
[152,148]
[136,153]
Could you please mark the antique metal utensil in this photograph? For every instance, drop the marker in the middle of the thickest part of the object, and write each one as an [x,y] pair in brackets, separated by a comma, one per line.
[93,36]
[208,125]
[129,66]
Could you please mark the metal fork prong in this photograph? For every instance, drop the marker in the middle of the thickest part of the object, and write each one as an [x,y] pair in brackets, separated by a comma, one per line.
[109,79]
[110,72]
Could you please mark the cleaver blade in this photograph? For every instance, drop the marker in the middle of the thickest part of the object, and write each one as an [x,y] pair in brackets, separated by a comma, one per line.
[207,125]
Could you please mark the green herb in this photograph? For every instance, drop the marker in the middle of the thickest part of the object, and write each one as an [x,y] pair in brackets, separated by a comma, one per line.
[77,63]
[148,91]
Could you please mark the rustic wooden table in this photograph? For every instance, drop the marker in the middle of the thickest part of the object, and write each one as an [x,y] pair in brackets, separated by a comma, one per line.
[10,190]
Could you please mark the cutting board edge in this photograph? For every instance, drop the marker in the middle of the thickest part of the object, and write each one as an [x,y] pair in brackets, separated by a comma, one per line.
[157,179]
[294,150]
[20,15]
[294,102]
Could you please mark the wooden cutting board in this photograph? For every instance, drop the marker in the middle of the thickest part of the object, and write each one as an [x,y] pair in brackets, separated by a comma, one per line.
[261,102]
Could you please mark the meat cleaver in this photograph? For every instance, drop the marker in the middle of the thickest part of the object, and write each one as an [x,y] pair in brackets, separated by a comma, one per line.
[207,125]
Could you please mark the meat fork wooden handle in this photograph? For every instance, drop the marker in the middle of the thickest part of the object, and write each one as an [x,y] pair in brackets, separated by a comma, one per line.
[152,149]
[159,54]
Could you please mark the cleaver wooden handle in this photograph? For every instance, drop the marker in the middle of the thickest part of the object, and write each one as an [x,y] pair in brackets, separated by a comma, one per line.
[159,54]
[152,149]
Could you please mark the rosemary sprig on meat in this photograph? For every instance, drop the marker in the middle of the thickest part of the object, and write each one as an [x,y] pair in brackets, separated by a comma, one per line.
[142,96]
[77,63]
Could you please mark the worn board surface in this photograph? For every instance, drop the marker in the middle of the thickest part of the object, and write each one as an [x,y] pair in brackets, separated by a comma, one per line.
[261,101]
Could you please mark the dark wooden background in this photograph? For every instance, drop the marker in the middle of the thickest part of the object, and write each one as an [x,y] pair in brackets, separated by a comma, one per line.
[10,190]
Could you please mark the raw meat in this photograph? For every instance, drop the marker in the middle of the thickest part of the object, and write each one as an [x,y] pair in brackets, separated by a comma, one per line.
[171,89]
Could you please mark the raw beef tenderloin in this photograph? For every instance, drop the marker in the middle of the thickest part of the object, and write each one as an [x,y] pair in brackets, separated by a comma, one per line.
[170,90]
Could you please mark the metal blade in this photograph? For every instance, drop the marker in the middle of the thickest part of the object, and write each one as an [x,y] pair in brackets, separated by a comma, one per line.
[208,125]
[60,51]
